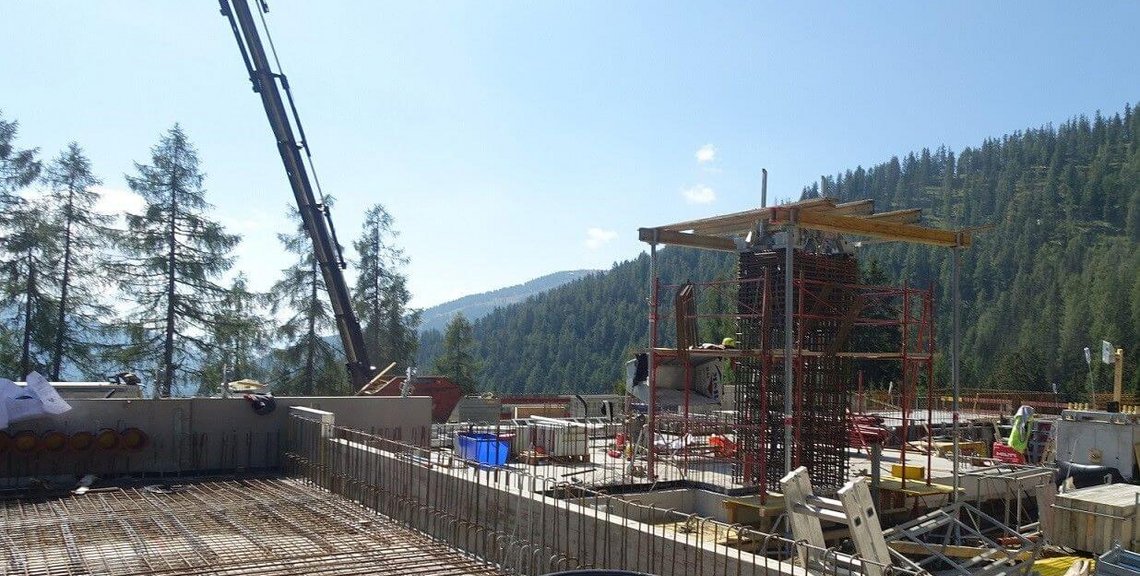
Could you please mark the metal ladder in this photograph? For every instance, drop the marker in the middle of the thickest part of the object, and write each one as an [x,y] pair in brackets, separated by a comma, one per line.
[853,508]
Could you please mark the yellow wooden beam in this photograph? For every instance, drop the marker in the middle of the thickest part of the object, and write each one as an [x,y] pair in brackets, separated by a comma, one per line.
[855,208]
[950,551]
[674,238]
[867,227]
[739,224]
[907,216]
[745,218]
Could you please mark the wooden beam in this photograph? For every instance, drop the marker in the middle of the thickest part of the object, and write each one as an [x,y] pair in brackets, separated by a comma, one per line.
[674,238]
[867,227]
[856,208]
[907,216]
[743,223]
[916,549]
[367,388]
[740,218]
[744,218]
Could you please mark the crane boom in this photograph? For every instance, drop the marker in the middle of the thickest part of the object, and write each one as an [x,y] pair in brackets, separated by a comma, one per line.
[314,214]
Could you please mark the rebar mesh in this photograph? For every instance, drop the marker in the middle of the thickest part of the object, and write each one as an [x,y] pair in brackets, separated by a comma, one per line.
[233,527]
[822,300]
[528,523]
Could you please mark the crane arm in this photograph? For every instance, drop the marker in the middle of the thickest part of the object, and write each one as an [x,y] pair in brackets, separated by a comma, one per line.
[314,215]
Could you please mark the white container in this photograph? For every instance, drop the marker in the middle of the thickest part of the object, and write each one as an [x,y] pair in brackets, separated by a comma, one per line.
[557,440]
[1098,438]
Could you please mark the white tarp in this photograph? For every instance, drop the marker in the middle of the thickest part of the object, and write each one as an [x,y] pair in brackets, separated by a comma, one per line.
[39,398]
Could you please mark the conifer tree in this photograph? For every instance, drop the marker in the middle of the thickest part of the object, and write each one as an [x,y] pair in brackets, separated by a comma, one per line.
[308,364]
[81,243]
[18,169]
[29,282]
[173,256]
[381,296]
[457,361]
[238,339]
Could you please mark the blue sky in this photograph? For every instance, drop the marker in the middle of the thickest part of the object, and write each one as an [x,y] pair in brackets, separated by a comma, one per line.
[514,139]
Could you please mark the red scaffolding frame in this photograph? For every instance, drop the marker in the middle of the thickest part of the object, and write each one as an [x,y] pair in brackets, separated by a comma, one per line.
[906,312]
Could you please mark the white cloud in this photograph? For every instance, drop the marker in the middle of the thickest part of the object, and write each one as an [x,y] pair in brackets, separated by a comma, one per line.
[699,194]
[116,201]
[706,154]
[597,237]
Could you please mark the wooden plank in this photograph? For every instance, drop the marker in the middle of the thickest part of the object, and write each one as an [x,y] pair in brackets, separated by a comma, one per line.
[367,388]
[906,216]
[1046,497]
[950,551]
[854,208]
[673,238]
[868,227]
[743,225]
[743,217]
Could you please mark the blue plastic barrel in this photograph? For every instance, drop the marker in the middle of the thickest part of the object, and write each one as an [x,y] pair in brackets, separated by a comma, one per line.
[484,448]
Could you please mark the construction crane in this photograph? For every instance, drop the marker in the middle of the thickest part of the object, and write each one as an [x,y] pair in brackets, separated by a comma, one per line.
[314,215]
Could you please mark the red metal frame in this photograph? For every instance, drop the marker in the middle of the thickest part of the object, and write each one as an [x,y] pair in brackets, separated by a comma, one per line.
[915,321]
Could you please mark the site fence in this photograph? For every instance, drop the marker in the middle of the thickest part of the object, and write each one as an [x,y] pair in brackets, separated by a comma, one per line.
[525,523]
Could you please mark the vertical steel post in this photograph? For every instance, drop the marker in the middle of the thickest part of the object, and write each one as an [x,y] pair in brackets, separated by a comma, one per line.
[790,235]
[928,315]
[956,351]
[905,403]
[763,187]
[651,379]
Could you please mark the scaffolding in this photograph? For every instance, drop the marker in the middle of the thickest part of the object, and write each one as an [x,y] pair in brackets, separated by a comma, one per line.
[835,323]
[801,322]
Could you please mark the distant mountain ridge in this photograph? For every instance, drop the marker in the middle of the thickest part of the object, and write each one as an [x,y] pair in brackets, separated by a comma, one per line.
[476,306]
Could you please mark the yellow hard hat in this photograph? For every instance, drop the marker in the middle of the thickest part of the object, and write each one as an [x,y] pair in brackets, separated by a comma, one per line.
[728,343]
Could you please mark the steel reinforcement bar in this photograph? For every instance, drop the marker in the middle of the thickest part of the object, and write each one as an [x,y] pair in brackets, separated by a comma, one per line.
[525,523]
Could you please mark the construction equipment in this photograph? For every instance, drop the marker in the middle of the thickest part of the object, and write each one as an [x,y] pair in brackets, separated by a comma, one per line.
[314,215]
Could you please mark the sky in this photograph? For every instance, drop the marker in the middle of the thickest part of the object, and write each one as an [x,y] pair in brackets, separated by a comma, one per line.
[514,139]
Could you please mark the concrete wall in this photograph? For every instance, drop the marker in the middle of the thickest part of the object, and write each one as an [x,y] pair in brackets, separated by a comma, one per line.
[512,519]
[680,500]
[189,435]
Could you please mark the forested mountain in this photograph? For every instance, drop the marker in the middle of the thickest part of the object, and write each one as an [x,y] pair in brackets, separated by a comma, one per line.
[575,338]
[1059,269]
[476,306]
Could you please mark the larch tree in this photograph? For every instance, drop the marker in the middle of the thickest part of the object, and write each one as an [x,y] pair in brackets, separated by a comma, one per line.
[83,236]
[238,340]
[381,296]
[29,282]
[173,256]
[307,363]
[18,169]
[457,361]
